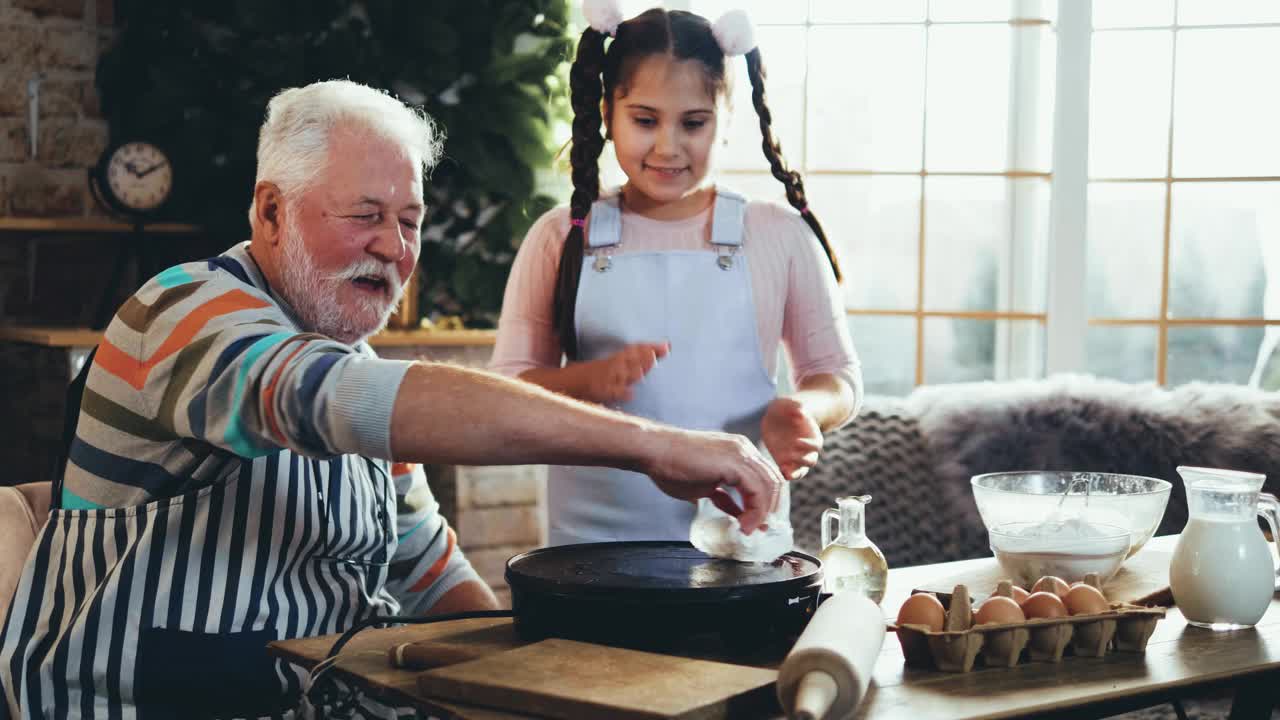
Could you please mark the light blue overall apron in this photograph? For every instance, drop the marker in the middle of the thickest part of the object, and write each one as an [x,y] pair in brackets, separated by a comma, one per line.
[714,378]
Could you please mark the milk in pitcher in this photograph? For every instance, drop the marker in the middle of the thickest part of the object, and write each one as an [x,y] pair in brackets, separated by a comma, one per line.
[1222,575]
[1225,575]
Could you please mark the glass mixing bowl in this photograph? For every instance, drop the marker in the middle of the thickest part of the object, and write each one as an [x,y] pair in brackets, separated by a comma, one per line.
[1133,502]
[1027,551]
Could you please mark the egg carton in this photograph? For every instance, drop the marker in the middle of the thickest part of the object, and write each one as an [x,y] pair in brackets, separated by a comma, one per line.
[960,644]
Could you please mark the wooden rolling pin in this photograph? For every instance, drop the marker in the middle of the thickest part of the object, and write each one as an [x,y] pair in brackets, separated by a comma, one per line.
[826,674]
[427,655]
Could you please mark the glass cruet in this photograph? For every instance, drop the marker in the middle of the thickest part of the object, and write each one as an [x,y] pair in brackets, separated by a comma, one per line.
[851,562]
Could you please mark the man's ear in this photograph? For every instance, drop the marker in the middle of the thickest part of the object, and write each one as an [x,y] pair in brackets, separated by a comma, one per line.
[268,209]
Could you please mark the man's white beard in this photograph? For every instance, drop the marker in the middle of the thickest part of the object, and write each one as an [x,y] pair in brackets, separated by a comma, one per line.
[314,296]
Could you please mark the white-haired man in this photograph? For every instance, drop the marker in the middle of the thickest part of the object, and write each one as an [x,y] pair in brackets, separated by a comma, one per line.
[231,477]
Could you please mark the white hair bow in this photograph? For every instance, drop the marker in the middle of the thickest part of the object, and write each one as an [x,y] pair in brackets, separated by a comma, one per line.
[603,15]
[735,33]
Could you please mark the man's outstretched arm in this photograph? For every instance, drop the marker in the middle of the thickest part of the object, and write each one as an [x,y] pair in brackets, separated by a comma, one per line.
[447,414]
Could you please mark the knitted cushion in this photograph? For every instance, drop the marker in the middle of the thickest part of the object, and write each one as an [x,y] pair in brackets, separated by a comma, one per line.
[882,454]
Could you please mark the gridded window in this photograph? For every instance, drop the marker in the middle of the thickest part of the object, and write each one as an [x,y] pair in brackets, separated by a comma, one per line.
[1184,191]
[923,130]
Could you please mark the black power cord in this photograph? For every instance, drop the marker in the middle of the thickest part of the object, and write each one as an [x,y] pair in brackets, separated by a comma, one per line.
[342,704]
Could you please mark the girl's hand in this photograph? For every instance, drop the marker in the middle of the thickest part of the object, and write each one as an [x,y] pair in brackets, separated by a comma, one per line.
[610,379]
[792,436]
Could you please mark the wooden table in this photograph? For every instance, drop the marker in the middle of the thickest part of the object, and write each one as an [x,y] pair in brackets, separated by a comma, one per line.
[1180,660]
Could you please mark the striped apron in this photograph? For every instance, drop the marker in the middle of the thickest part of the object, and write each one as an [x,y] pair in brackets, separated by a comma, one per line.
[164,610]
[713,379]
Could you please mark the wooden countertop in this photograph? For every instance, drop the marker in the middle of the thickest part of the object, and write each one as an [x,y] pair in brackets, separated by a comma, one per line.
[1178,659]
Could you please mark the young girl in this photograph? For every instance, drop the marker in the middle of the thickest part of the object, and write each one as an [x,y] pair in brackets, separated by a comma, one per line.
[669,297]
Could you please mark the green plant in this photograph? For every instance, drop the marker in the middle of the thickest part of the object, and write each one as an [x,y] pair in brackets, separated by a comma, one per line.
[195,77]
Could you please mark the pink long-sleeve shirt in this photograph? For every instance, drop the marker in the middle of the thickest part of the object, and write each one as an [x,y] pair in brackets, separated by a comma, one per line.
[797,301]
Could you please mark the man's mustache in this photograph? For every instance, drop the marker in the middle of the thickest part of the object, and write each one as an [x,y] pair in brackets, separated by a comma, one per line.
[370,268]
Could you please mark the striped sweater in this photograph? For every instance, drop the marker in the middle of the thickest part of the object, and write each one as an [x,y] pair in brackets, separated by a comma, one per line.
[229,476]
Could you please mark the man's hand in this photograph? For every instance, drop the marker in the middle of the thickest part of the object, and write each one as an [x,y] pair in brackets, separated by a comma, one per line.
[695,465]
[610,379]
[792,436]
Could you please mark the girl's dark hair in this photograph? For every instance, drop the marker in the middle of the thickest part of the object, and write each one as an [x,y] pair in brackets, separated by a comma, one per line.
[594,77]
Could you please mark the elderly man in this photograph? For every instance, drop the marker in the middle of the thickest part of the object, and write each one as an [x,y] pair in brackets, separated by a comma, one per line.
[231,478]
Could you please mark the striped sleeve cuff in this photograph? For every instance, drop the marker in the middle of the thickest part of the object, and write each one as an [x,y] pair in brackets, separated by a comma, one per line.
[457,570]
[363,400]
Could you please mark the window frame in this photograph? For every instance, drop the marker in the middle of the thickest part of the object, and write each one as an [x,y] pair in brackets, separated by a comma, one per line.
[1163,323]
[1065,318]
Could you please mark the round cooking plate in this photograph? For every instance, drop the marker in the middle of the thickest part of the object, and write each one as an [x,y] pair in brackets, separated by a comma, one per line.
[657,570]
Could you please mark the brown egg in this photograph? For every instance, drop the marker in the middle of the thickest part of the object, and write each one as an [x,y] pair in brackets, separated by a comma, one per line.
[1049,583]
[1044,605]
[998,610]
[1085,600]
[923,609]
[1015,592]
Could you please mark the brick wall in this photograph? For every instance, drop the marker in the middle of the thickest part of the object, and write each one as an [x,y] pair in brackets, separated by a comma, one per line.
[501,511]
[59,40]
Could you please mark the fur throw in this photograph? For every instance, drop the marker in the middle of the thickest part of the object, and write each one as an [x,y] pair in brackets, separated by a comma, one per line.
[1075,422]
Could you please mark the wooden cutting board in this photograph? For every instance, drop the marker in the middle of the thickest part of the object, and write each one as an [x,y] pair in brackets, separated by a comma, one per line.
[1142,580]
[572,680]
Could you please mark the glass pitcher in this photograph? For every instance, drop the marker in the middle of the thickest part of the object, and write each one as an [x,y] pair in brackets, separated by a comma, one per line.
[1222,574]
[851,562]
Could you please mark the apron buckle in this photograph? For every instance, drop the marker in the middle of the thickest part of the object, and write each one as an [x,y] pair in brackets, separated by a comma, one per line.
[602,263]
[725,259]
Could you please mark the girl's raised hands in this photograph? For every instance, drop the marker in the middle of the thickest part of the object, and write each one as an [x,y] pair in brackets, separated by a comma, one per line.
[609,379]
[792,436]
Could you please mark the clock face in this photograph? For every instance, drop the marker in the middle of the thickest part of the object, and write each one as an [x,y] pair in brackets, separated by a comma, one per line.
[139,176]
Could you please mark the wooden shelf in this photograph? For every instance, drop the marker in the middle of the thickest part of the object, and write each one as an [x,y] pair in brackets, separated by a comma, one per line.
[50,336]
[401,338]
[69,226]
[84,337]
